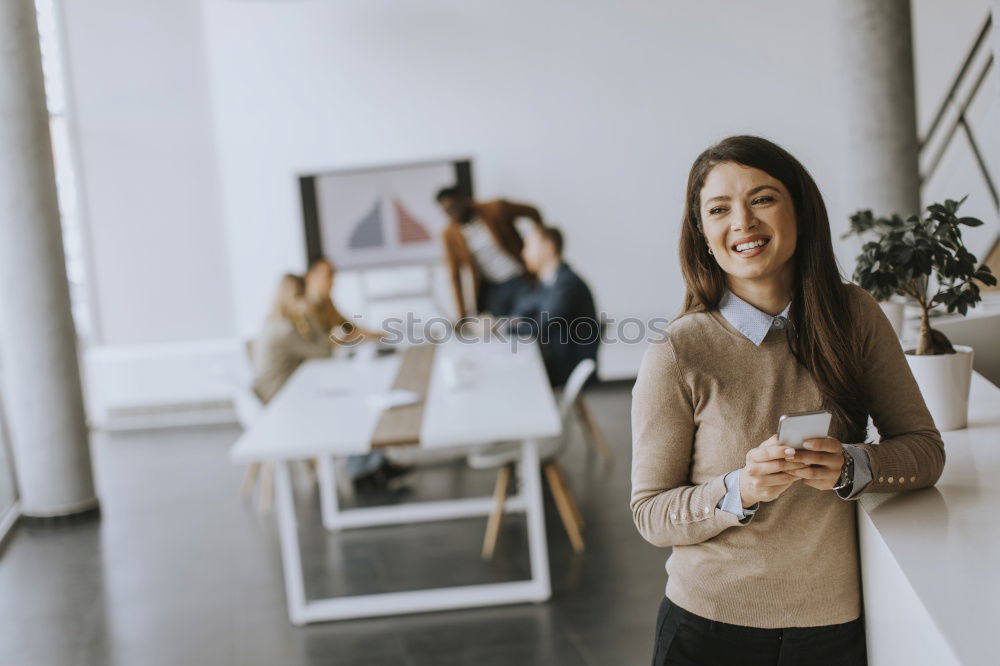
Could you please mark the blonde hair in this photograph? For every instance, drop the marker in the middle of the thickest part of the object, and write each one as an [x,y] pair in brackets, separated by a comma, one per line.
[289,302]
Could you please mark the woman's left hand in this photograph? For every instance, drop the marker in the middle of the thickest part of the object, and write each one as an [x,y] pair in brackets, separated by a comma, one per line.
[825,457]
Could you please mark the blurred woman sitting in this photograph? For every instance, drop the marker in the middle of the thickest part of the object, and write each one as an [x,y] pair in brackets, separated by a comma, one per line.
[290,337]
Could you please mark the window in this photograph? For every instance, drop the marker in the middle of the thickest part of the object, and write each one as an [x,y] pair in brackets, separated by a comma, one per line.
[62,152]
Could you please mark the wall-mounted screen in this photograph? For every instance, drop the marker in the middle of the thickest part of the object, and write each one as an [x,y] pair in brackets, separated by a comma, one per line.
[379,216]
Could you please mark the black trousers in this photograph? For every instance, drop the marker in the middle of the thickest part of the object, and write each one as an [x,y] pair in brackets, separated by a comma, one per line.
[686,639]
[500,298]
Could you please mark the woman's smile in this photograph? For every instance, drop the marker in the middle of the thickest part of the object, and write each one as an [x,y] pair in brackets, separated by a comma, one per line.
[750,246]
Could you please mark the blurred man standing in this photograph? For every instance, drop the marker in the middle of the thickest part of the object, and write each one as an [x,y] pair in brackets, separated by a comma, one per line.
[482,241]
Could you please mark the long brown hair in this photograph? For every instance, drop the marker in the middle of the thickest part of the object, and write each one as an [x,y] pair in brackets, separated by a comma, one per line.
[821,327]
[289,302]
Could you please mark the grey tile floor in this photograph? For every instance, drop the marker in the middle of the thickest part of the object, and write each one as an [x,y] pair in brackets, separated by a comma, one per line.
[178,570]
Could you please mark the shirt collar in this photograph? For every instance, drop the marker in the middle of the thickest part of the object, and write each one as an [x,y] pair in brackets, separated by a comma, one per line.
[748,320]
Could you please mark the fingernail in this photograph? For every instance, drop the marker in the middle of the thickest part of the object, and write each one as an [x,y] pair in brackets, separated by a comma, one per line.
[810,445]
[789,452]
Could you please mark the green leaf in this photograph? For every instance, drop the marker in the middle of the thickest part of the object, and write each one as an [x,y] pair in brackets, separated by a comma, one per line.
[902,251]
[986,277]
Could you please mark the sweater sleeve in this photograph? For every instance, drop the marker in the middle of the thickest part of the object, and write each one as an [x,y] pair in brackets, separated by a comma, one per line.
[910,454]
[303,347]
[452,261]
[512,211]
[667,509]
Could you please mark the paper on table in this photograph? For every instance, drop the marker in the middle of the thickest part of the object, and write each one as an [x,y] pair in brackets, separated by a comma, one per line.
[393,398]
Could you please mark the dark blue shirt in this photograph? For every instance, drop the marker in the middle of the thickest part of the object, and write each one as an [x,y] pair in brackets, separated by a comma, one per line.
[562,315]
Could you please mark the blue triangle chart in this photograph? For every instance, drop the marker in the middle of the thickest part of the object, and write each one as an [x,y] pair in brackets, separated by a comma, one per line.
[368,231]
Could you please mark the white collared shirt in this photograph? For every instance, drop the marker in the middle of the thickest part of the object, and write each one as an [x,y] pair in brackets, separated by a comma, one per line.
[750,321]
[495,264]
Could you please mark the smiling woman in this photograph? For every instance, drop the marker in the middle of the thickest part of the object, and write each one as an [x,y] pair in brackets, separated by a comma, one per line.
[746,188]
[749,215]
[763,568]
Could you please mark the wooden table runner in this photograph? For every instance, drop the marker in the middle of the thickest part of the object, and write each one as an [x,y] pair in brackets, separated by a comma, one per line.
[400,426]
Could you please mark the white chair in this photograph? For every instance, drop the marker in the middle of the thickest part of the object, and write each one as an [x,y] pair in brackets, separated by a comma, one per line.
[592,430]
[245,401]
[506,454]
[248,407]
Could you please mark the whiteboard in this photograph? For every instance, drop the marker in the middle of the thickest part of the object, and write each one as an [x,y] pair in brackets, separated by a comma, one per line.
[379,216]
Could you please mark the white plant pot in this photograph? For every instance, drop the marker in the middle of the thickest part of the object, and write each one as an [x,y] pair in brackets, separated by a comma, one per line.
[894,312]
[944,381]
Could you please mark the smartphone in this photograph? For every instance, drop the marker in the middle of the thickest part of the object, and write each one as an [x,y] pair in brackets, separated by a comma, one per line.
[794,429]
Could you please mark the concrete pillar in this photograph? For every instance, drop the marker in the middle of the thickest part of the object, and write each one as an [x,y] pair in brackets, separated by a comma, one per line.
[38,356]
[877,60]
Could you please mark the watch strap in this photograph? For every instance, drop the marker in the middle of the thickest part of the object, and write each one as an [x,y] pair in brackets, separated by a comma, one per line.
[846,472]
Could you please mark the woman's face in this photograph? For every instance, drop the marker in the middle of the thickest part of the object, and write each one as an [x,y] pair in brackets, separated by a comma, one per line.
[749,222]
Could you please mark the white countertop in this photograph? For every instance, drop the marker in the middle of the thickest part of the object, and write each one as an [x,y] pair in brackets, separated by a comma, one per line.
[946,539]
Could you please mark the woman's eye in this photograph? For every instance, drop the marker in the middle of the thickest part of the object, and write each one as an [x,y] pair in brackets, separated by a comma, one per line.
[716,210]
[762,200]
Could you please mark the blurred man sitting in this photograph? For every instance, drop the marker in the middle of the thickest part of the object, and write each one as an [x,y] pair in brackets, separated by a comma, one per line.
[560,309]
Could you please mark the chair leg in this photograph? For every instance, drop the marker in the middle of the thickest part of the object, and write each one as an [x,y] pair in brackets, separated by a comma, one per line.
[266,486]
[493,524]
[596,435]
[249,479]
[563,503]
[569,495]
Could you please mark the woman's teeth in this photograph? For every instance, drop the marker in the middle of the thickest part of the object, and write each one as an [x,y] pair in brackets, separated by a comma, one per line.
[742,247]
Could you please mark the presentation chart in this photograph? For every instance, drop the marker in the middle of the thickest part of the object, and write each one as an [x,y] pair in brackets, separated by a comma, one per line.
[411,230]
[379,216]
[368,231]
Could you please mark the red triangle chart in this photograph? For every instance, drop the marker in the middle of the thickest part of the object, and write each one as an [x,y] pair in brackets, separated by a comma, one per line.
[411,230]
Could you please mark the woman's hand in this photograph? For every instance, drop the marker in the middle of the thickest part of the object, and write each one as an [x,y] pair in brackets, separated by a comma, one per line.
[824,458]
[768,473]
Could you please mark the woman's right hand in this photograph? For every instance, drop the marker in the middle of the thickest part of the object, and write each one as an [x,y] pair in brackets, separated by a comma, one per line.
[763,479]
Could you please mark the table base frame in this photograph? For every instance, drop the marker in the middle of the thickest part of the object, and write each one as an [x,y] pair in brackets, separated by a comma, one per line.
[303,611]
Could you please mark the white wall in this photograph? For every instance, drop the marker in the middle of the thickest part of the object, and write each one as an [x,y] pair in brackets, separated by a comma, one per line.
[151,203]
[592,109]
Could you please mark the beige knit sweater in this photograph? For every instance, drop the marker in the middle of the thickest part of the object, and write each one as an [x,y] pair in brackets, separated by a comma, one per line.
[705,396]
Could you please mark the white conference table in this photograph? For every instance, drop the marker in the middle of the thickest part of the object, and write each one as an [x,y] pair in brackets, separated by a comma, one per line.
[326,410]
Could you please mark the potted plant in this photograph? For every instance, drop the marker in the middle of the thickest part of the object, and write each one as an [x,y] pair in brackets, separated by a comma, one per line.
[902,259]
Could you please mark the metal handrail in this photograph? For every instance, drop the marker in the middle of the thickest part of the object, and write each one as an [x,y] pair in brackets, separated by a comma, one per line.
[943,108]
[961,121]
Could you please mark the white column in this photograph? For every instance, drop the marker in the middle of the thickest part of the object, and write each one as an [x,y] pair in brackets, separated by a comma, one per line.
[38,355]
[877,62]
